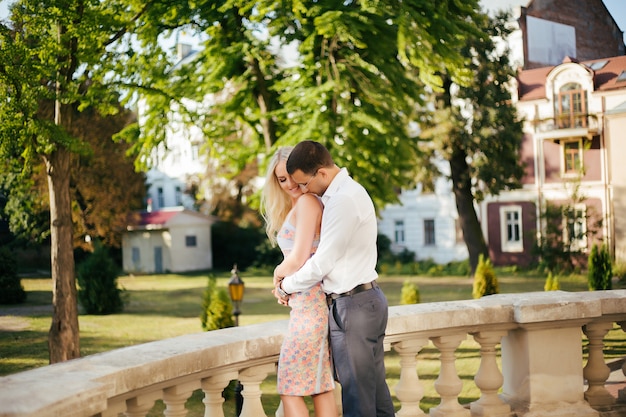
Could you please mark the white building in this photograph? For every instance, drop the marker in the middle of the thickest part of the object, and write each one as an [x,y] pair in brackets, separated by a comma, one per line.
[168,240]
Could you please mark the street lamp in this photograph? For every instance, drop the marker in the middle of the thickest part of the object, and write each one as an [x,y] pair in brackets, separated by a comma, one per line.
[235,290]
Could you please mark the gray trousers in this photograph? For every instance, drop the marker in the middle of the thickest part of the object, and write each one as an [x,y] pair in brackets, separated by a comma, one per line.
[357,329]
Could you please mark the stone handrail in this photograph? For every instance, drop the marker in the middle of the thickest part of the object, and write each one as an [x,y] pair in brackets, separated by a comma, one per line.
[541,356]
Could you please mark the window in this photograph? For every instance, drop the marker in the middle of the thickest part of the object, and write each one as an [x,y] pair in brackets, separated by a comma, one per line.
[511,229]
[575,227]
[191,241]
[571,107]
[429,232]
[160,198]
[398,231]
[179,196]
[136,257]
[572,151]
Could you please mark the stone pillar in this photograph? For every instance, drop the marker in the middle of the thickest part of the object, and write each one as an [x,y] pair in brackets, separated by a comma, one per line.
[175,398]
[213,387]
[489,378]
[448,384]
[409,389]
[596,371]
[251,379]
[543,372]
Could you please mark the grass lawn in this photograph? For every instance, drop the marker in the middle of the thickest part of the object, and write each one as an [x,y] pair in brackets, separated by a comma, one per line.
[163,306]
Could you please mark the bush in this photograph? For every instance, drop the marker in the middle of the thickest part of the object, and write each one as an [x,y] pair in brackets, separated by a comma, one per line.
[552,283]
[485,281]
[11,290]
[410,293]
[599,273]
[97,281]
[216,308]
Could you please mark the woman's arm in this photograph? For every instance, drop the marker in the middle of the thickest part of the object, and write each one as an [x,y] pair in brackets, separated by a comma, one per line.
[308,217]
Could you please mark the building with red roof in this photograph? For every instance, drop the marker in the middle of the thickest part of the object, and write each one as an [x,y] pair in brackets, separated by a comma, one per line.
[168,240]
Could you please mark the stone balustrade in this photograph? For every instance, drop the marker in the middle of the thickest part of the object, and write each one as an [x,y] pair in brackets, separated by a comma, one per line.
[542,372]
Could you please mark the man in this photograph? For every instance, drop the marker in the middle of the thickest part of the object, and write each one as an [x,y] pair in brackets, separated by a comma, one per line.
[345,263]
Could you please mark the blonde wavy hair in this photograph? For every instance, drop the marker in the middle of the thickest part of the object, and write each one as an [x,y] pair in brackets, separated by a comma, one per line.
[275,203]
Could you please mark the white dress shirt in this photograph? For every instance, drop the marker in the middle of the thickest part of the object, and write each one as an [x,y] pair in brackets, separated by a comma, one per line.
[347,254]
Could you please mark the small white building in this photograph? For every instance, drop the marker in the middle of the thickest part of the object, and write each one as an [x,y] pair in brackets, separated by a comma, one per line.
[168,240]
[425,224]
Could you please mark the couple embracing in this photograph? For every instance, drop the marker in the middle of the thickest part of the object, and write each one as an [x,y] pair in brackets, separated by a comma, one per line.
[325,224]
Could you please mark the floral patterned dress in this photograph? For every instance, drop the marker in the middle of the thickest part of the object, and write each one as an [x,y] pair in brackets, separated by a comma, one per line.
[304,364]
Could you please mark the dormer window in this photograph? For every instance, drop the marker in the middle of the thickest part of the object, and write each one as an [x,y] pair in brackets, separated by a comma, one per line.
[571,107]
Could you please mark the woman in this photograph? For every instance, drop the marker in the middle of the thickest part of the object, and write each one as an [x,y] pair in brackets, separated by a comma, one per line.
[293,222]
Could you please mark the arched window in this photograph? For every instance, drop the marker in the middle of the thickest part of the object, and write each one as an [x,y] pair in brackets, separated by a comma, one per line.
[571,107]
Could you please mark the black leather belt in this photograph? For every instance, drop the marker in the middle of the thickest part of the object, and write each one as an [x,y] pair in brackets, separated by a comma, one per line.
[355,290]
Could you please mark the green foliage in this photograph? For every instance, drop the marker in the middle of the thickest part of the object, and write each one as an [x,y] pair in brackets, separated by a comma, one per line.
[233,244]
[599,272]
[476,122]
[267,256]
[619,271]
[11,289]
[98,292]
[485,280]
[216,307]
[410,293]
[423,267]
[552,283]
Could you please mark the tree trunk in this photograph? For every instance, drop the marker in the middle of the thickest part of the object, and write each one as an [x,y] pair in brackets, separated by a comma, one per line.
[63,338]
[462,188]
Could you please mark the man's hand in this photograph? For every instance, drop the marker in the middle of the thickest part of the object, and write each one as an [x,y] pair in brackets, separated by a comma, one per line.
[281,300]
[282,296]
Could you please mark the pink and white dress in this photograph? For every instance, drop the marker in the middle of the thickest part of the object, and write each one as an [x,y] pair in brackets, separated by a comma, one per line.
[304,365]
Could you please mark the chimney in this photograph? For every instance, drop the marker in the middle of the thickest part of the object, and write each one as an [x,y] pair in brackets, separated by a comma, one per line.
[184,49]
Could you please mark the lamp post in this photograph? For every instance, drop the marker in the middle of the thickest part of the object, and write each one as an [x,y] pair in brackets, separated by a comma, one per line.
[235,290]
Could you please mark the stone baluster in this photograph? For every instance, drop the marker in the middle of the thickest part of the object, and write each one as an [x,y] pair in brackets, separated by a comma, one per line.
[409,389]
[213,388]
[489,379]
[596,372]
[621,394]
[141,405]
[251,379]
[448,384]
[175,398]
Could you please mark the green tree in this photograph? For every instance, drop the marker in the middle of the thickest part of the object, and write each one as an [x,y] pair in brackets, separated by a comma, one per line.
[552,283]
[485,280]
[98,292]
[11,289]
[217,311]
[100,205]
[410,293]
[362,67]
[59,58]
[599,268]
[476,129]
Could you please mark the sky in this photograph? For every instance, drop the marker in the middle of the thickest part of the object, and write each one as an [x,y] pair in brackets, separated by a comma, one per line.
[617,8]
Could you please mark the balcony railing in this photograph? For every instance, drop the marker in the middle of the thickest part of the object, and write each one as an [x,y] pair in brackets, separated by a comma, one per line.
[588,122]
[541,356]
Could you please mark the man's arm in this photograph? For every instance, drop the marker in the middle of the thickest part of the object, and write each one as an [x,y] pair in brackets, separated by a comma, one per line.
[339,220]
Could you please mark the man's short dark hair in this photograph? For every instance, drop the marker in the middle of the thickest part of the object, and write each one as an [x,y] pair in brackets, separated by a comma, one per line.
[308,156]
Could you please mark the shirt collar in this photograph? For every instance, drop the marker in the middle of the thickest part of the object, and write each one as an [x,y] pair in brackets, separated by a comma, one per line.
[335,184]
